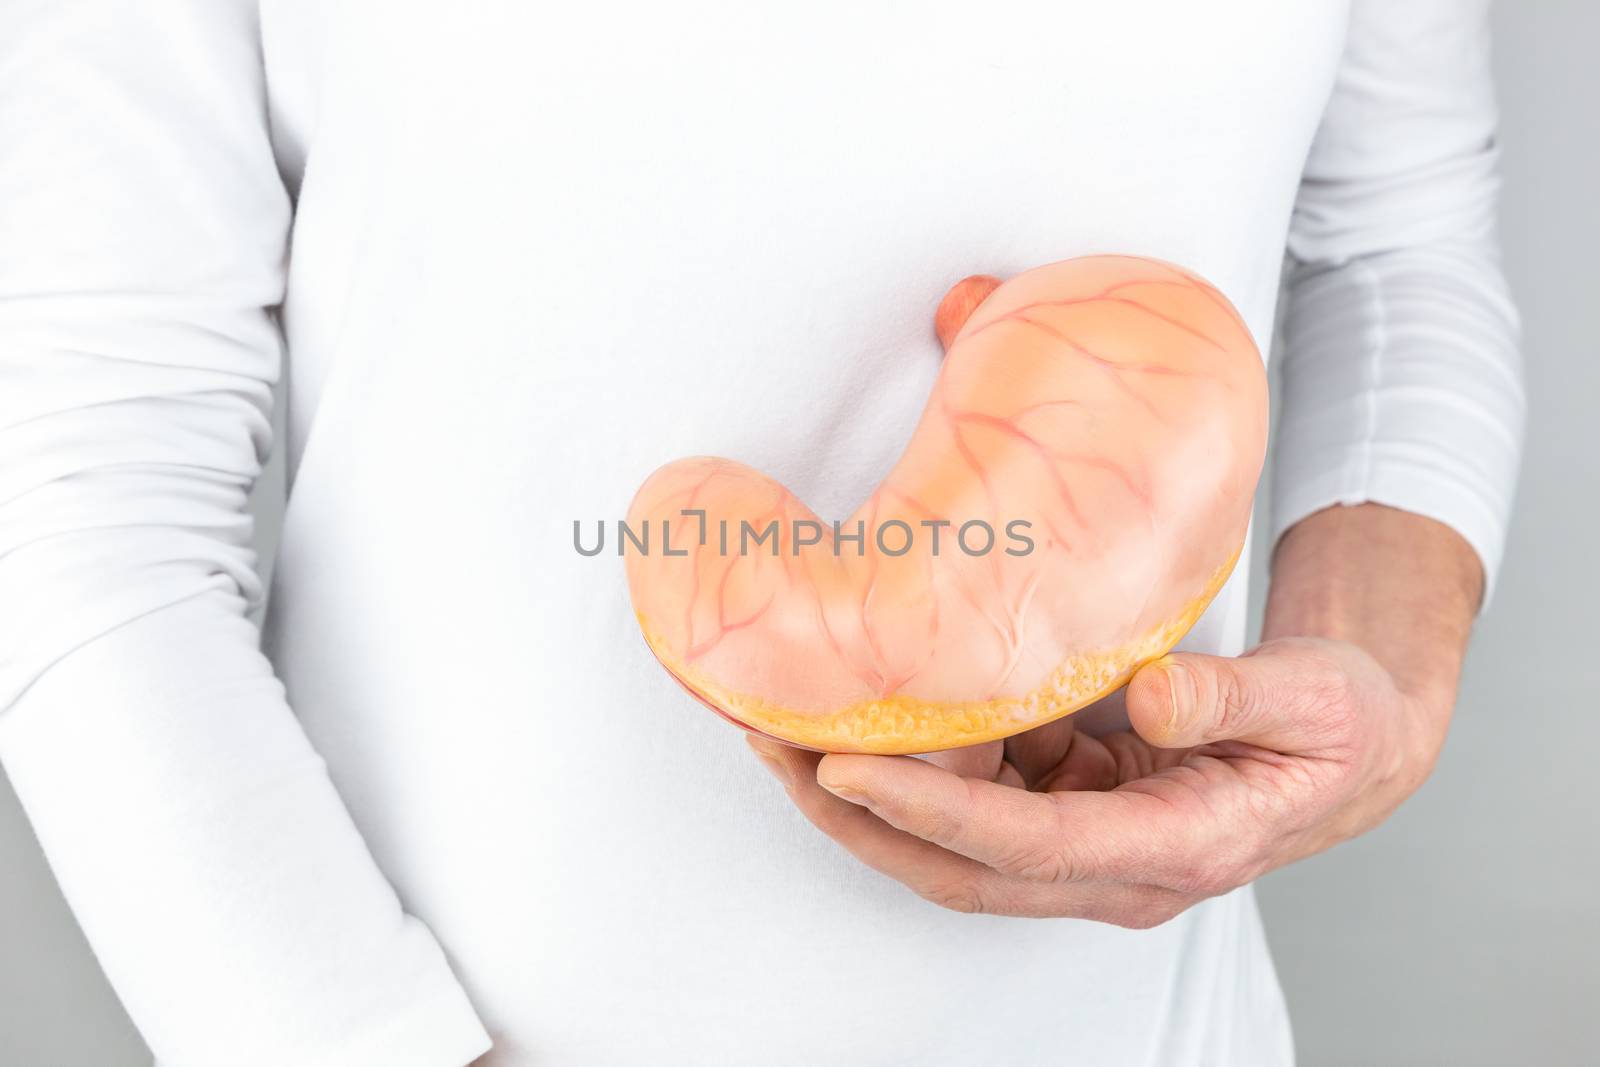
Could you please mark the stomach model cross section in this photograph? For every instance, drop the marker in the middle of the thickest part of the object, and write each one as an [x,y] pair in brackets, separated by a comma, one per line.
[1089,455]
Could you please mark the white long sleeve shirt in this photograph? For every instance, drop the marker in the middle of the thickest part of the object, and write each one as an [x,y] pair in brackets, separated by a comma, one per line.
[507,258]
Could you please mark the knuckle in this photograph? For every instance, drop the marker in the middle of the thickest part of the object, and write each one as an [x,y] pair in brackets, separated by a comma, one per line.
[937,820]
[1232,702]
[934,823]
[1041,865]
[1047,859]
[961,896]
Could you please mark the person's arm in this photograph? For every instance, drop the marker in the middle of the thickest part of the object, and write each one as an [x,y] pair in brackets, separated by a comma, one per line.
[1398,449]
[143,232]
[1401,374]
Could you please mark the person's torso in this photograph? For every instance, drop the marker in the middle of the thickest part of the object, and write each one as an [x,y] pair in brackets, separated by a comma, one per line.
[541,249]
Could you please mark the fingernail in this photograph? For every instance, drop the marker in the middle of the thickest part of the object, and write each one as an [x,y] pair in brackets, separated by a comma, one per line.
[767,753]
[1180,692]
[844,791]
[779,771]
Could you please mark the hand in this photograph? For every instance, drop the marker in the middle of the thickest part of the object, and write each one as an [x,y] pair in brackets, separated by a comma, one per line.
[1236,767]
[1233,767]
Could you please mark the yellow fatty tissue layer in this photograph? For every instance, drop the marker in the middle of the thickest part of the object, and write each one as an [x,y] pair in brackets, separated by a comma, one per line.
[902,725]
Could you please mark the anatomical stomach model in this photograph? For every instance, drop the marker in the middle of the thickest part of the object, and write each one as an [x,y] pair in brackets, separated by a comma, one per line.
[1076,492]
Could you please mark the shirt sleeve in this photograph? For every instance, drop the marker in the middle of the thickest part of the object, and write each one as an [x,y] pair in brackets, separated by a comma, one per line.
[220,880]
[1401,374]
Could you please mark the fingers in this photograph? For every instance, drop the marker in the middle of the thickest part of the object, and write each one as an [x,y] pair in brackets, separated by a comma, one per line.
[946,878]
[854,827]
[1102,763]
[1295,696]
[975,761]
[987,761]
[1143,823]
[1047,837]
[949,880]
[1036,753]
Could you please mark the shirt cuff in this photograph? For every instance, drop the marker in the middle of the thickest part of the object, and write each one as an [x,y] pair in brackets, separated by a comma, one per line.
[442,1030]
[1396,484]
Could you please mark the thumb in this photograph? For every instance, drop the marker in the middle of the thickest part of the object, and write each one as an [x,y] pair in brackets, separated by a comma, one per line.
[1282,695]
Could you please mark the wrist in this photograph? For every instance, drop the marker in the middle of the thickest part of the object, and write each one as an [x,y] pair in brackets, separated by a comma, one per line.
[1399,586]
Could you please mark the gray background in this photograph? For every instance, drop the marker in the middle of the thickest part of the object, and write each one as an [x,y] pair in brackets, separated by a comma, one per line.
[1466,930]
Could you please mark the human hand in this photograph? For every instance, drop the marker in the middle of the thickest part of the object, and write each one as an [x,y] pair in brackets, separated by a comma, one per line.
[1233,766]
